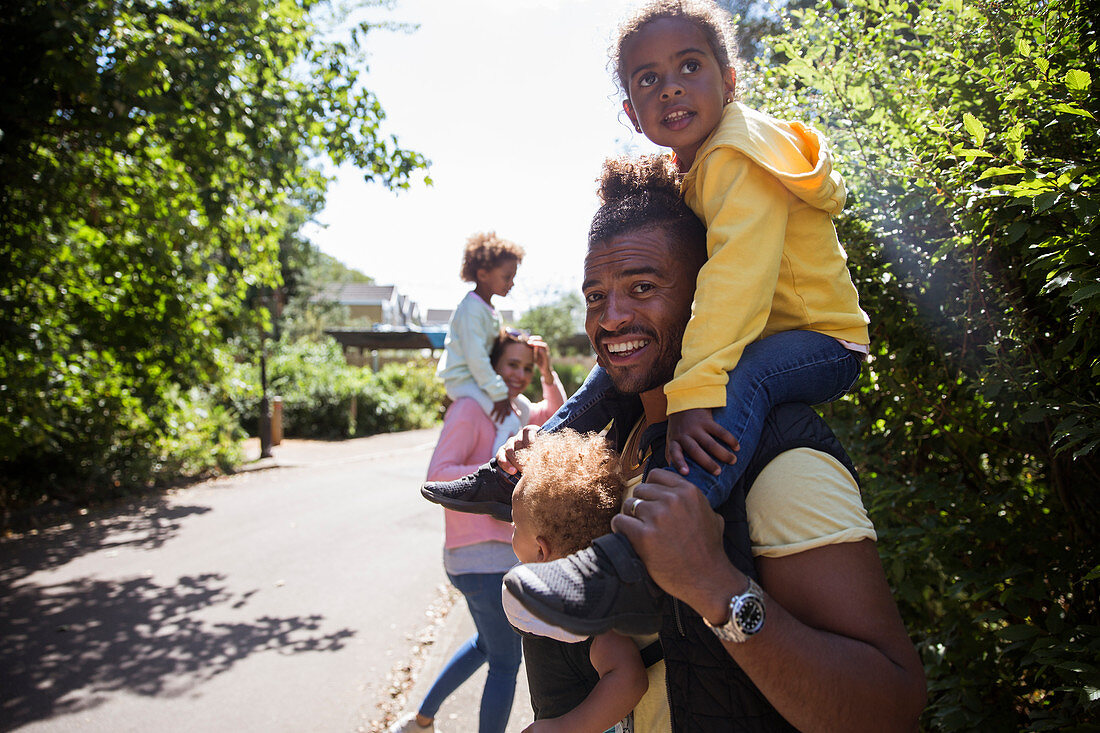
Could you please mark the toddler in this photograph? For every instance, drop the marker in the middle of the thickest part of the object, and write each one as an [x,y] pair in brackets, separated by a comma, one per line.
[490,263]
[571,488]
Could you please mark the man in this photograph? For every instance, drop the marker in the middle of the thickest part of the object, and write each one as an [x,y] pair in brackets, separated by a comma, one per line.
[818,645]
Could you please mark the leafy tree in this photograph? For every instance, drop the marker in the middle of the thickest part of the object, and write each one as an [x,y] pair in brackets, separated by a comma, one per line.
[968,135]
[302,317]
[154,155]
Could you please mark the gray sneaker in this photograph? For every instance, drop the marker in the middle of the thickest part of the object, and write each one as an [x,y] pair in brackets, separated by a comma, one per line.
[488,490]
[605,586]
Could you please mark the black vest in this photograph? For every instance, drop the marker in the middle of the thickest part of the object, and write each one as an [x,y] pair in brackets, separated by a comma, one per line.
[707,690]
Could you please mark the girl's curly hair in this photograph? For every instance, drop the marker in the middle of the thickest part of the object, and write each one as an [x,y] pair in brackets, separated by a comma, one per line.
[572,485]
[715,23]
[641,193]
[485,250]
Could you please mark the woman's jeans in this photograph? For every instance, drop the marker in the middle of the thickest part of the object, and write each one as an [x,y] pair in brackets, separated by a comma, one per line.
[495,642]
[790,366]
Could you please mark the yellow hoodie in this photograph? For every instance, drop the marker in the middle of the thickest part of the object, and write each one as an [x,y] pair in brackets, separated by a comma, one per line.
[766,190]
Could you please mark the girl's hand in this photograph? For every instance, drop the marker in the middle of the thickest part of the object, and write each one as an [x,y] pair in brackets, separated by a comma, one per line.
[501,410]
[694,433]
[546,725]
[506,455]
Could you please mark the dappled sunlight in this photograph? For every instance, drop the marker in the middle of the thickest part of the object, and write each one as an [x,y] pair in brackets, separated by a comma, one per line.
[66,647]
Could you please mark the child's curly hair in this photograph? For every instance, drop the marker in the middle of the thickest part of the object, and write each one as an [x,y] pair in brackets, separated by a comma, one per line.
[573,486]
[485,250]
[708,16]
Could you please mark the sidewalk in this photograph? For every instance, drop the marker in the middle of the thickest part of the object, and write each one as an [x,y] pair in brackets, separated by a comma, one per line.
[293,452]
[459,714]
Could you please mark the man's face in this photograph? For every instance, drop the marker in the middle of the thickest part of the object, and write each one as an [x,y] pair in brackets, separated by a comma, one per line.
[638,296]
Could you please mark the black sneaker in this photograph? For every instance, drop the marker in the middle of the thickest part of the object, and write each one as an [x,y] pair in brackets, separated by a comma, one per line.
[604,586]
[488,490]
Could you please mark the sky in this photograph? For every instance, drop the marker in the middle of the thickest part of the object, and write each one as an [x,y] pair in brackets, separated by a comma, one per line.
[513,103]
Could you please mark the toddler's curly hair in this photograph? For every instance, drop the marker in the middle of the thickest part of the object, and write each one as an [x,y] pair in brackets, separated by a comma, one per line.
[573,486]
[485,250]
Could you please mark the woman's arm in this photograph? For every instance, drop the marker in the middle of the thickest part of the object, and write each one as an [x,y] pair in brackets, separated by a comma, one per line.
[465,443]
[553,394]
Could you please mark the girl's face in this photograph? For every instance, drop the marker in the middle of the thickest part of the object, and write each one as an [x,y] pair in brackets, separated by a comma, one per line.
[675,86]
[516,366]
[497,280]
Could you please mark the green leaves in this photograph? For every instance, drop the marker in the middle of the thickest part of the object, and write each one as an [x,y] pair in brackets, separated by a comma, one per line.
[155,156]
[967,136]
[1078,81]
[975,128]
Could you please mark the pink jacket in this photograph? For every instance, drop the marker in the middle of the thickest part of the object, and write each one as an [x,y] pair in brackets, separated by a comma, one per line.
[466,443]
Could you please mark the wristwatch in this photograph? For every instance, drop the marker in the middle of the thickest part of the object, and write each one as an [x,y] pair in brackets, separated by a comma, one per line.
[746,616]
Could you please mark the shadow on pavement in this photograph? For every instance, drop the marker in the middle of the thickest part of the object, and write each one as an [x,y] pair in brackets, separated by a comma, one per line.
[65,647]
[145,526]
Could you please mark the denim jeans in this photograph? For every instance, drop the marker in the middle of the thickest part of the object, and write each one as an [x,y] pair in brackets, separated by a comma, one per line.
[790,366]
[494,642]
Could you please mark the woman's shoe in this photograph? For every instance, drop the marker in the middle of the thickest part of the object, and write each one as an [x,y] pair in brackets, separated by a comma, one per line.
[407,724]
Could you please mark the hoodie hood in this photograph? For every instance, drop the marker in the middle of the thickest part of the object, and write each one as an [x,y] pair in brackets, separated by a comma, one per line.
[796,154]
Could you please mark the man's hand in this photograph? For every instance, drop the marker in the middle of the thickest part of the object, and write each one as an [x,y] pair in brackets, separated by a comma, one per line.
[506,455]
[695,434]
[501,410]
[673,513]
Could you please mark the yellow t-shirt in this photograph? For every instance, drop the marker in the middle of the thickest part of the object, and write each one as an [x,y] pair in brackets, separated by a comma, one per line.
[651,714]
[804,499]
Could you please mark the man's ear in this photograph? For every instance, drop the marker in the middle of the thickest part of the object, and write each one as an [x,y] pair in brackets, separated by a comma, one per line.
[629,109]
[544,548]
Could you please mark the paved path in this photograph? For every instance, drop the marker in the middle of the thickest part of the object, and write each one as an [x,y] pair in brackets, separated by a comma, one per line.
[308,596]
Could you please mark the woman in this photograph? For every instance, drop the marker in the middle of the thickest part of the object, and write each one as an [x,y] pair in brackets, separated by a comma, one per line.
[477,549]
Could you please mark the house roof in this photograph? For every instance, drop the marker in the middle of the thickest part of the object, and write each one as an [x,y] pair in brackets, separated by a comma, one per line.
[389,339]
[356,293]
[442,316]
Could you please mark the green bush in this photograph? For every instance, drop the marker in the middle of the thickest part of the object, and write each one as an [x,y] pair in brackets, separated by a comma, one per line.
[318,389]
[123,448]
[968,135]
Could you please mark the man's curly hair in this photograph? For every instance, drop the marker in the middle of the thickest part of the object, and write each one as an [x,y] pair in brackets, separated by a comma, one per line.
[485,250]
[573,486]
[642,193]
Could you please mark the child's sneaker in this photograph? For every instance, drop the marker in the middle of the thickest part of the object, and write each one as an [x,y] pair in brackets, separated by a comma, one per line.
[407,724]
[488,490]
[604,586]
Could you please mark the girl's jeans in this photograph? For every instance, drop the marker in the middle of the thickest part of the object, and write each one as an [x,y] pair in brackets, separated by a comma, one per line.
[495,642]
[790,366]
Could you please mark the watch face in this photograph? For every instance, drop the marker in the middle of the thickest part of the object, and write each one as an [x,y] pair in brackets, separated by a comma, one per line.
[750,614]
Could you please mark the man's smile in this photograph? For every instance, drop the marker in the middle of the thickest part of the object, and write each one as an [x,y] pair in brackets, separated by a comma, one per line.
[625,348]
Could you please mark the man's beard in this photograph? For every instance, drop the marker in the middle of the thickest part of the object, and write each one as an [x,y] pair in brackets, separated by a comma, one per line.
[660,372]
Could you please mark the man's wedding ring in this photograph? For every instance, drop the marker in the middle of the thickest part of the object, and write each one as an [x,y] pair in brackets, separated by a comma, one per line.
[632,505]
